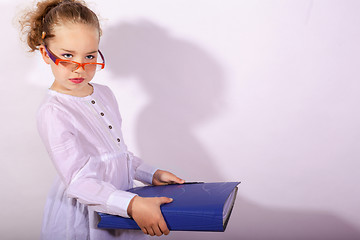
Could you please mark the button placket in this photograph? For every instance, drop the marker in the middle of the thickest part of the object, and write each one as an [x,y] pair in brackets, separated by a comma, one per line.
[98,109]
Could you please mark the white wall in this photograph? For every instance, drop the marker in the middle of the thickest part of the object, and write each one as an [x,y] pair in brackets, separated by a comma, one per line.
[265,92]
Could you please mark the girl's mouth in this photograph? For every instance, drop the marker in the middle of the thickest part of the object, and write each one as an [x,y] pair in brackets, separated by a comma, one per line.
[77,80]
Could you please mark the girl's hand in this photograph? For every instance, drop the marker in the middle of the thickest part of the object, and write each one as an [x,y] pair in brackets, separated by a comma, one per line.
[147,214]
[146,211]
[164,177]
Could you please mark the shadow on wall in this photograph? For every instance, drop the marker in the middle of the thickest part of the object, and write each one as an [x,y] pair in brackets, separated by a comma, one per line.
[185,84]
[250,221]
[259,222]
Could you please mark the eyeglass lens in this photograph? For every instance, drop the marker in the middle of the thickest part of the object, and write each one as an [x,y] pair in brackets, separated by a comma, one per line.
[73,66]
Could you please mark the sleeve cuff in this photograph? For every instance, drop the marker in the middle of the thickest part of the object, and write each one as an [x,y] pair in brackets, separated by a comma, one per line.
[118,203]
[145,173]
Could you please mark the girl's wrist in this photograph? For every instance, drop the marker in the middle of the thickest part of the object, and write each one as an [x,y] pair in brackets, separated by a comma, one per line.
[156,176]
[130,206]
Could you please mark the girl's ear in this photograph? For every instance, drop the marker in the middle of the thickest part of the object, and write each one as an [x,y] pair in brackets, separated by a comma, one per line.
[44,54]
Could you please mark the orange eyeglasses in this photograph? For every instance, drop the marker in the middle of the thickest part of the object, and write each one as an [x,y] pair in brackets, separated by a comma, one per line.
[73,66]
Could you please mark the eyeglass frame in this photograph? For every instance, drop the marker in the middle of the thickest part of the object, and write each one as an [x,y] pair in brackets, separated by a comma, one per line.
[56,60]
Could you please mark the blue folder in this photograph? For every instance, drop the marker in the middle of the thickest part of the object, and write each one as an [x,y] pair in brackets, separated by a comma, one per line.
[196,207]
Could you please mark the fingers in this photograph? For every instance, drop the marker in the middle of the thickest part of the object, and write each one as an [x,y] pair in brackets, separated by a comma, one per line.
[160,226]
[147,214]
[144,230]
[164,228]
[172,178]
[150,231]
[178,180]
[164,200]
[161,177]
[157,230]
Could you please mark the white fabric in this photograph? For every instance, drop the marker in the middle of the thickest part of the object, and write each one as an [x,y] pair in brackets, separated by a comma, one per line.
[83,138]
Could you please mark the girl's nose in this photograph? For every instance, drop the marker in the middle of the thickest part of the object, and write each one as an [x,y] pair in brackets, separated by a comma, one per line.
[80,68]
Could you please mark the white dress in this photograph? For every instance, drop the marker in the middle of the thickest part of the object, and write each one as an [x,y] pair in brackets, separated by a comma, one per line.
[83,138]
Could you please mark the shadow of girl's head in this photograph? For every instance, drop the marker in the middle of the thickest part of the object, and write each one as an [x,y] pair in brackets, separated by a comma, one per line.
[178,76]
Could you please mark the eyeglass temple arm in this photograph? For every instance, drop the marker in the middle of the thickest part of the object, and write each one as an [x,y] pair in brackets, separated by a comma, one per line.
[51,55]
[102,56]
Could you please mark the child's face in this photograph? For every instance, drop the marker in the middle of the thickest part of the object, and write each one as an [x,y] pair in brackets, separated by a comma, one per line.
[75,42]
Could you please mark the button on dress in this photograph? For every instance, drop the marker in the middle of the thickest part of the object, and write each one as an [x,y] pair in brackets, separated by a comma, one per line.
[84,140]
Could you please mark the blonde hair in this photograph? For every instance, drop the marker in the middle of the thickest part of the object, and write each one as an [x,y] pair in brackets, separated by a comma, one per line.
[37,25]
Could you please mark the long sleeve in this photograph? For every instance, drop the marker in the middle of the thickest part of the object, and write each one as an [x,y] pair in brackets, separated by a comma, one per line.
[80,172]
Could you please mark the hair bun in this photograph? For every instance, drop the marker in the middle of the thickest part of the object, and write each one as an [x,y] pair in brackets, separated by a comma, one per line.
[38,24]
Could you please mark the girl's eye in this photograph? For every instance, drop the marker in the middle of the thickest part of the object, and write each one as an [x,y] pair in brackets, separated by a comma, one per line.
[90,57]
[67,55]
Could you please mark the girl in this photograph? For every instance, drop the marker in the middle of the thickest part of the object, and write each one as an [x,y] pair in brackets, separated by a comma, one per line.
[80,126]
